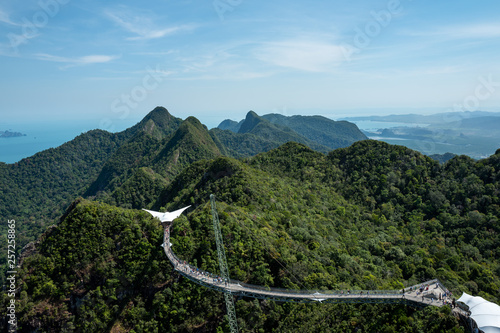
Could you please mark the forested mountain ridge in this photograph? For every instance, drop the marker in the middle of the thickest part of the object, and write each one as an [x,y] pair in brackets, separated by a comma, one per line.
[320,130]
[368,216]
[36,190]
[330,133]
[273,135]
[147,136]
[158,123]
[365,217]
[153,166]
[239,145]
[106,165]
[41,186]
[231,125]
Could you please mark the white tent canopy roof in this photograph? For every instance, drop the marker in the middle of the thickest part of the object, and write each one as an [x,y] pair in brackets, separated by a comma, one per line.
[167,216]
[485,314]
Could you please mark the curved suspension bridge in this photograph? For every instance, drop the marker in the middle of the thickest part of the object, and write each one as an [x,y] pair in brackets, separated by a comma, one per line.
[428,293]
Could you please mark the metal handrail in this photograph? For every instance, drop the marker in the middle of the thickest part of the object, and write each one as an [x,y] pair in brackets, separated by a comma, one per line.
[231,285]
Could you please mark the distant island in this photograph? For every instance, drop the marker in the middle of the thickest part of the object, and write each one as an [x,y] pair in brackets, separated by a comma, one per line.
[9,134]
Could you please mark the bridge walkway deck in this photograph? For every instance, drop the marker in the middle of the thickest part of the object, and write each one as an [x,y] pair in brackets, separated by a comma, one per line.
[428,293]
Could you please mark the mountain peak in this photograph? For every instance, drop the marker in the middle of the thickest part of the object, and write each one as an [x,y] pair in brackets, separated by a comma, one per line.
[194,121]
[251,120]
[231,125]
[159,123]
[159,115]
[192,141]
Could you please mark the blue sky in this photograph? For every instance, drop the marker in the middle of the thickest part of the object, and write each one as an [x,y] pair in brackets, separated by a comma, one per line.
[110,63]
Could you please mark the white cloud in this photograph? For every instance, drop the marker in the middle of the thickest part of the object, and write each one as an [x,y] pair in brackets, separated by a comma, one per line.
[79,61]
[142,26]
[302,55]
[4,17]
[95,59]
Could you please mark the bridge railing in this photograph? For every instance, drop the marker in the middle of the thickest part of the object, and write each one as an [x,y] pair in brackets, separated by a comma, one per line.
[426,287]
[193,270]
[319,292]
[182,265]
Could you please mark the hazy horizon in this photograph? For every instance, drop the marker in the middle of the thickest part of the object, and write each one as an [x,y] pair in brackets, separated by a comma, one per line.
[42,135]
[213,120]
[112,61]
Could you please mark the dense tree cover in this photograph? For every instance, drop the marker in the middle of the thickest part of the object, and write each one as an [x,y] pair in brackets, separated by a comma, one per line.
[442,158]
[102,269]
[371,216]
[231,125]
[158,123]
[395,200]
[330,133]
[240,145]
[139,190]
[131,156]
[148,164]
[257,134]
[106,166]
[36,190]
[139,151]
[304,129]
[291,218]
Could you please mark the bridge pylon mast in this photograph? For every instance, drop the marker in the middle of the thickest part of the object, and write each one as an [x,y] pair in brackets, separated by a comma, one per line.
[221,254]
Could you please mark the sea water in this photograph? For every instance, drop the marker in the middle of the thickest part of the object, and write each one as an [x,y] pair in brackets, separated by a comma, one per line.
[39,136]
